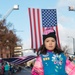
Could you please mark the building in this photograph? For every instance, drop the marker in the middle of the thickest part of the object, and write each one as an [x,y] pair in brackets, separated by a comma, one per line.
[18,51]
[8,42]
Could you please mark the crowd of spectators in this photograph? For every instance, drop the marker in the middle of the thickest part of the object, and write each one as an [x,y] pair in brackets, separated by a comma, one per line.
[8,69]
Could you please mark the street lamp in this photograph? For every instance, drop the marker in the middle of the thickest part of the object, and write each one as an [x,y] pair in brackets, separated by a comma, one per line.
[15,7]
[71,8]
[73,43]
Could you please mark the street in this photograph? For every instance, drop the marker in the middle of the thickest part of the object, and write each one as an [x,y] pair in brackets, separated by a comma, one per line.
[25,71]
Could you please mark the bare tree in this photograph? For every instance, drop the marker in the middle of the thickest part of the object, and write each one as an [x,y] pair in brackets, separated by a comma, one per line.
[66,49]
[8,39]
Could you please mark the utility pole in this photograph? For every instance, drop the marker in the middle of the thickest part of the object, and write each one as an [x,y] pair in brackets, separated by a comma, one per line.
[72,8]
[73,43]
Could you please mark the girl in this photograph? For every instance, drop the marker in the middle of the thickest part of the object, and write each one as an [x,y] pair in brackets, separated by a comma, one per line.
[51,59]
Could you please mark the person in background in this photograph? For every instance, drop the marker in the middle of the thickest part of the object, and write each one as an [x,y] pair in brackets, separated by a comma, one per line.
[74,59]
[51,59]
[2,69]
[68,57]
[7,68]
[11,69]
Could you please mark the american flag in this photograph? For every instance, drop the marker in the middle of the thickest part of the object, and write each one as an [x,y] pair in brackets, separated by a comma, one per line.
[39,20]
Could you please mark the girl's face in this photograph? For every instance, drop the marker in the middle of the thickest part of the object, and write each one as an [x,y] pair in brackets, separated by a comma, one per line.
[50,43]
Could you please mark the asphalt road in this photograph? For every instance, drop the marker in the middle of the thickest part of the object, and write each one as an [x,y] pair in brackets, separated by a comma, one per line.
[24,72]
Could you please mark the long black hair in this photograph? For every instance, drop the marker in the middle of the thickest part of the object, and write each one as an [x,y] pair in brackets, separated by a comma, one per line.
[43,50]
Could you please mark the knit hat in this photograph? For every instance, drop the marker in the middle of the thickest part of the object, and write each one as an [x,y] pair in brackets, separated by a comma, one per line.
[49,32]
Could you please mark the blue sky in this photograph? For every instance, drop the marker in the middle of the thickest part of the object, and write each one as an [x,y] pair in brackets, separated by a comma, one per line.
[20,18]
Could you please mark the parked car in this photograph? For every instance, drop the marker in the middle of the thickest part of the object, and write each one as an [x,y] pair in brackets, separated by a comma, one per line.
[30,63]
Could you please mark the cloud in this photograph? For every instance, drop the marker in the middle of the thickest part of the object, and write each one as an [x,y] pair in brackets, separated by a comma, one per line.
[63,3]
[66,25]
[64,19]
[63,36]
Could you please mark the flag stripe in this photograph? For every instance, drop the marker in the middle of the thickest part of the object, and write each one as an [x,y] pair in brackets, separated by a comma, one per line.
[39,29]
[36,28]
[57,36]
[30,27]
[34,21]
